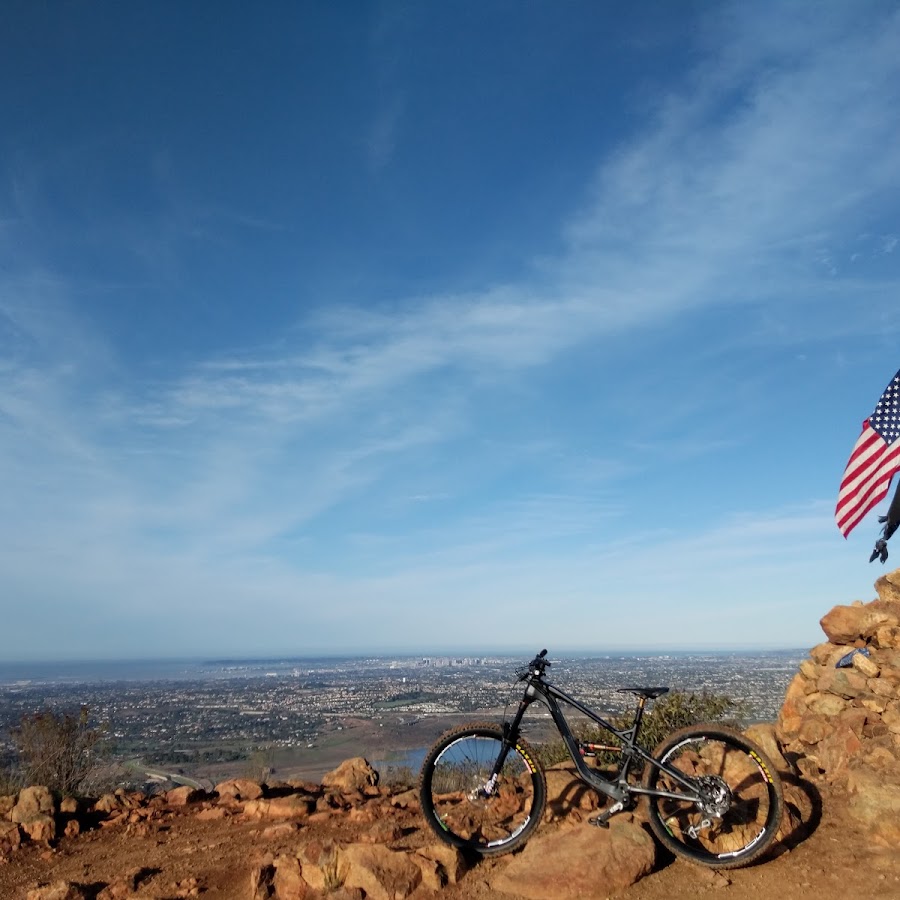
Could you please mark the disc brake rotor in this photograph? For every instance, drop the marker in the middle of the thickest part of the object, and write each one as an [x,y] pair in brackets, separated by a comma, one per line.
[715,796]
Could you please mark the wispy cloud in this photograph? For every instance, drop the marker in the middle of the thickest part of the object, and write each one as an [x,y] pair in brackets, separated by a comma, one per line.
[383,135]
[773,151]
[274,477]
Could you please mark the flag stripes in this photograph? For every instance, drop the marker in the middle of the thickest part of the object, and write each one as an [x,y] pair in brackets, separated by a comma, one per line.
[866,479]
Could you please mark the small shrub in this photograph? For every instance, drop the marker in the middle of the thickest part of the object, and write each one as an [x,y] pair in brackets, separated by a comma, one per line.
[10,781]
[674,710]
[59,751]
[333,873]
[679,709]
[398,778]
[260,765]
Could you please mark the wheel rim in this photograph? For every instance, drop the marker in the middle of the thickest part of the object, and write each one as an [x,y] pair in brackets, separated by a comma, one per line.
[462,806]
[739,804]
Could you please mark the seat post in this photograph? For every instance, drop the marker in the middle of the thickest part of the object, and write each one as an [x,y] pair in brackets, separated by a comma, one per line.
[638,716]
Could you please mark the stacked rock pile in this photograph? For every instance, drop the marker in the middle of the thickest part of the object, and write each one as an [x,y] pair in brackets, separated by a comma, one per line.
[840,722]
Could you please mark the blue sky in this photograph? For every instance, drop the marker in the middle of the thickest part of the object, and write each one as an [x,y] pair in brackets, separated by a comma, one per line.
[407,327]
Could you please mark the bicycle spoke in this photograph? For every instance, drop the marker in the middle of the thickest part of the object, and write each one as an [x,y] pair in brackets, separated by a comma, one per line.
[468,808]
[741,805]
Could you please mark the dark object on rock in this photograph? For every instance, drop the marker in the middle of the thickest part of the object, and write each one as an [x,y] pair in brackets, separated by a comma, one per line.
[891,522]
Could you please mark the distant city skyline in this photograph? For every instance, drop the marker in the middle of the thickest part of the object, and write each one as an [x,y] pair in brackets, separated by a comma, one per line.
[140,668]
[391,327]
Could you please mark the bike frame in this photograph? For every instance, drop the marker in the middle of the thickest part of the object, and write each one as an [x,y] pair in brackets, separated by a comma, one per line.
[618,788]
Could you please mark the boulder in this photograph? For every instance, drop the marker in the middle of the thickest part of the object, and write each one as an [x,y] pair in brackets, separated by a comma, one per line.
[846,624]
[182,796]
[795,698]
[406,800]
[261,882]
[351,775]
[432,878]
[10,837]
[294,806]
[844,682]
[891,716]
[863,664]
[826,704]
[888,587]
[288,881]
[566,791]
[885,687]
[872,702]
[809,670]
[59,890]
[763,734]
[239,789]
[451,864]
[382,873]
[814,729]
[888,637]
[835,752]
[323,869]
[888,659]
[875,804]
[125,886]
[213,814]
[279,830]
[40,828]
[7,802]
[33,802]
[385,831]
[108,803]
[306,787]
[827,654]
[363,814]
[854,718]
[578,862]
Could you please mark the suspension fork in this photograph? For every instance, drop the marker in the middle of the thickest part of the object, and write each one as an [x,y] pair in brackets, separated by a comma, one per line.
[510,736]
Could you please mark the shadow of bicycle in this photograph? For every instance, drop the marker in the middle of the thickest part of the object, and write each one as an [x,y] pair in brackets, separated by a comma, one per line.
[802,812]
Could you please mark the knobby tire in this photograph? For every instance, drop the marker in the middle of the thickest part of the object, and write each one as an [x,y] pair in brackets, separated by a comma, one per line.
[733,766]
[457,766]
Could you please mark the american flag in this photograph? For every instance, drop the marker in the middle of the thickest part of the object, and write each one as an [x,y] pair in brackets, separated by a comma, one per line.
[875,458]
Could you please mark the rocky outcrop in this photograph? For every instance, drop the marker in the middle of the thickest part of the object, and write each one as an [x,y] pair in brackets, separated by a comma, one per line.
[370,853]
[552,865]
[58,890]
[240,789]
[32,816]
[840,721]
[351,775]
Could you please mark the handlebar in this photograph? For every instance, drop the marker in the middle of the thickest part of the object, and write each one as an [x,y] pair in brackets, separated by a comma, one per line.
[536,667]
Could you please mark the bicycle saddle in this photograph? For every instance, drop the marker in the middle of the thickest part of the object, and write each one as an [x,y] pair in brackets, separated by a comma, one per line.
[651,693]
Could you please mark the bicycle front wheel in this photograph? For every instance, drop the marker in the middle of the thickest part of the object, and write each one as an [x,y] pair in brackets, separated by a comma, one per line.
[741,797]
[461,803]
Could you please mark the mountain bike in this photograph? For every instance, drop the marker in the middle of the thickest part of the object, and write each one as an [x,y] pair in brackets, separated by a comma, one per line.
[712,795]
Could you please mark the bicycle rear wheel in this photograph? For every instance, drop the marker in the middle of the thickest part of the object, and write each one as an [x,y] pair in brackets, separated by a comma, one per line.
[464,809]
[742,802]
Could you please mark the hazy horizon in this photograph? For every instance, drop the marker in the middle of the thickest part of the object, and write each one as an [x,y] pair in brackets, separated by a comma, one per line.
[561,654]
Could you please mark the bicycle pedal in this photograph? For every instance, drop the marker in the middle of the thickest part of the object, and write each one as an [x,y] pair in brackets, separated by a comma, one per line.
[602,821]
